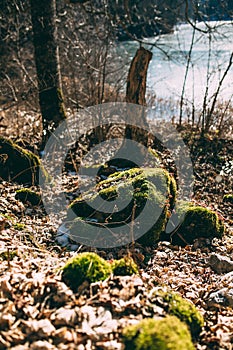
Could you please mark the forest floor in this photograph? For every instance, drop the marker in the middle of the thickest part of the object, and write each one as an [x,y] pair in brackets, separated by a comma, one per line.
[38,311]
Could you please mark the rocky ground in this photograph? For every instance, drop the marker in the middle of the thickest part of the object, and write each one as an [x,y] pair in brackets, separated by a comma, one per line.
[38,311]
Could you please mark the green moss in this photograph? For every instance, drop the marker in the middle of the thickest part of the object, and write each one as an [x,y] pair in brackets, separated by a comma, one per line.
[120,176]
[85,267]
[109,193]
[185,311]
[124,267]
[26,195]
[197,222]
[153,153]
[133,189]
[92,268]
[8,255]
[173,191]
[168,333]
[12,222]
[228,198]
[18,164]
[85,231]
[19,226]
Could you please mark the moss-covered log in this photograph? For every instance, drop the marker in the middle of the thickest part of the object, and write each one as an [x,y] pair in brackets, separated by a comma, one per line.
[119,200]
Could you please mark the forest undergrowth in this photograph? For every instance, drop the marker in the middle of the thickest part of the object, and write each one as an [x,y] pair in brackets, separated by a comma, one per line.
[38,311]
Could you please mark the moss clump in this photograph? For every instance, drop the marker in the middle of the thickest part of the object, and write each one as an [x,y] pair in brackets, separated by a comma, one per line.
[153,153]
[91,267]
[26,195]
[88,267]
[124,267]
[8,255]
[19,226]
[228,198]
[11,221]
[168,333]
[196,221]
[17,164]
[133,190]
[185,311]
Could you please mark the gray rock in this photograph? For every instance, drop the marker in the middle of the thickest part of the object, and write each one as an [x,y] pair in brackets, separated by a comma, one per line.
[220,263]
[222,297]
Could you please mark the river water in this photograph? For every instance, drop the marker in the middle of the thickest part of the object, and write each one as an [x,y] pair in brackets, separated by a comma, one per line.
[209,59]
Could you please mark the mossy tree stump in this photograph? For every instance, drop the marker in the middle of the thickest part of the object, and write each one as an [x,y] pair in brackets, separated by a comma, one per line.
[18,164]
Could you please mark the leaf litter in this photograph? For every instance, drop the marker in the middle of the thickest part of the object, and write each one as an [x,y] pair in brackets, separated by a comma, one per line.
[38,311]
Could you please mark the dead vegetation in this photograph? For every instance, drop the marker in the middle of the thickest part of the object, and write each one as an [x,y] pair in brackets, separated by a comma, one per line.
[38,310]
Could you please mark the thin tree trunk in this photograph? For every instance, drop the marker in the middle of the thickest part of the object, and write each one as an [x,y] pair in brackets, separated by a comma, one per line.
[185,76]
[43,14]
[211,111]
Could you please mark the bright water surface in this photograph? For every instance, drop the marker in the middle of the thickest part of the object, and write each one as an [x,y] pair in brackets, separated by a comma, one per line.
[167,71]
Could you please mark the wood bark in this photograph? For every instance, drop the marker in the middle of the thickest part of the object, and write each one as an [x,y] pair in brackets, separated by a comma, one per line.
[136,93]
[136,81]
[43,14]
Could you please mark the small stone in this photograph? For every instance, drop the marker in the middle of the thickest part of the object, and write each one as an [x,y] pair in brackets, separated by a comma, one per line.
[220,263]
[218,178]
[222,297]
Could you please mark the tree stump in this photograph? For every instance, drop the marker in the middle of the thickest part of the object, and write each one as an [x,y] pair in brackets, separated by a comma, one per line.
[135,93]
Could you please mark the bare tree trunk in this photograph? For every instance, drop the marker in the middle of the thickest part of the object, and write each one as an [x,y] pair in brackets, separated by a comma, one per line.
[136,80]
[135,93]
[43,13]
